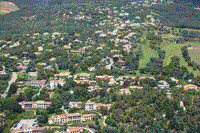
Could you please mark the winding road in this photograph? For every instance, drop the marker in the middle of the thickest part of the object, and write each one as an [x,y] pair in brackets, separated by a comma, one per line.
[13,79]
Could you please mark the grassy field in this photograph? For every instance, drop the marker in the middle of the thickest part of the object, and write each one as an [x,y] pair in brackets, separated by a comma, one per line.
[173,49]
[170,36]
[187,29]
[148,53]
[195,54]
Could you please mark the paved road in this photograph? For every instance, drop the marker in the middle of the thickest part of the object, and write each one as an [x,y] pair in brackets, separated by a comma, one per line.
[104,123]
[13,79]
[37,94]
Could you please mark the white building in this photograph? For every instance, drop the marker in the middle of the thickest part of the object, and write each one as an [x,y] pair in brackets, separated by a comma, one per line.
[54,83]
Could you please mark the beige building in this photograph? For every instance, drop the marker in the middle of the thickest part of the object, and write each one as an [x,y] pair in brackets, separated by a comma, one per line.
[35,104]
[74,130]
[95,106]
[75,104]
[65,118]
[190,86]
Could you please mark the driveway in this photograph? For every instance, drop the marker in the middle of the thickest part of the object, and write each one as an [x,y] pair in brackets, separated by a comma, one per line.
[13,79]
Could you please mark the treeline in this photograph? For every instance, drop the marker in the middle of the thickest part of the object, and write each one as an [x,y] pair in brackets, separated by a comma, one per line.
[4,78]
[174,69]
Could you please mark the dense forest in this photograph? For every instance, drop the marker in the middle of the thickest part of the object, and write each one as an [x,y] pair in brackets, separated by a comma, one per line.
[180,14]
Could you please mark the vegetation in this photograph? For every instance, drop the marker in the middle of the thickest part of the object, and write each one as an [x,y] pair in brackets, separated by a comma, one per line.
[97,54]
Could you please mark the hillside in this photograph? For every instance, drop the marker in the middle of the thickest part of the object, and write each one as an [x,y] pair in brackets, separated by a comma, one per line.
[170,14]
[7,7]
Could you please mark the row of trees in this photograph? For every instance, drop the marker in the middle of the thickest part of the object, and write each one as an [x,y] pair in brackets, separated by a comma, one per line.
[187,58]
[155,67]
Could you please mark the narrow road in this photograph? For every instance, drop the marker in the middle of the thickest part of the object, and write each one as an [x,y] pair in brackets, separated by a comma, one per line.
[13,79]
[104,123]
[37,93]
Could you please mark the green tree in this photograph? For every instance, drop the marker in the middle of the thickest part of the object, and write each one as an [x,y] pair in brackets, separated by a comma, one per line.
[103,110]
[28,93]
[11,105]
[43,118]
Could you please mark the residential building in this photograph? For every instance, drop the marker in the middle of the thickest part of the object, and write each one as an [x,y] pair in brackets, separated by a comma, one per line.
[83,76]
[136,87]
[190,86]
[92,88]
[22,67]
[41,64]
[25,122]
[81,81]
[174,79]
[91,69]
[63,75]
[33,74]
[26,62]
[36,83]
[169,95]
[87,117]
[65,118]
[35,104]
[163,84]
[77,104]
[95,106]
[74,130]
[54,83]
[105,77]
[125,91]
[29,129]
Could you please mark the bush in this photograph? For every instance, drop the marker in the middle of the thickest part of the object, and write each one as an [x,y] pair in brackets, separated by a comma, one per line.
[91,126]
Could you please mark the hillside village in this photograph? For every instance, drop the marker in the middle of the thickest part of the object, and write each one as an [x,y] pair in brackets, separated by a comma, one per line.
[117,75]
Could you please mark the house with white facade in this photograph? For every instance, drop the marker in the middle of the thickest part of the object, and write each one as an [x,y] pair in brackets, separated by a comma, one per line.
[35,104]
[54,83]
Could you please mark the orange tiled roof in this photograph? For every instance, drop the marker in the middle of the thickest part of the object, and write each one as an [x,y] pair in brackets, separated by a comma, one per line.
[74,129]
[86,115]
[78,102]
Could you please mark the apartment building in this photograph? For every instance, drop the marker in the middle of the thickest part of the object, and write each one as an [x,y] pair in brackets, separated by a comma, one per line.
[65,118]
[54,83]
[36,83]
[75,104]
[35,104]
[95,106]
[74,130]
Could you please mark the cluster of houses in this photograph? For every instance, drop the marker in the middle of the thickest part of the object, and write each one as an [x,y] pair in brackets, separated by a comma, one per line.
[51,84]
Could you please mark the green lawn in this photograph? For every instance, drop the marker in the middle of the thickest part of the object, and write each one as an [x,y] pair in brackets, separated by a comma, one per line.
[148,53]
[195,55]
[173,49]
[170,36]
[64,71]
[186,29]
